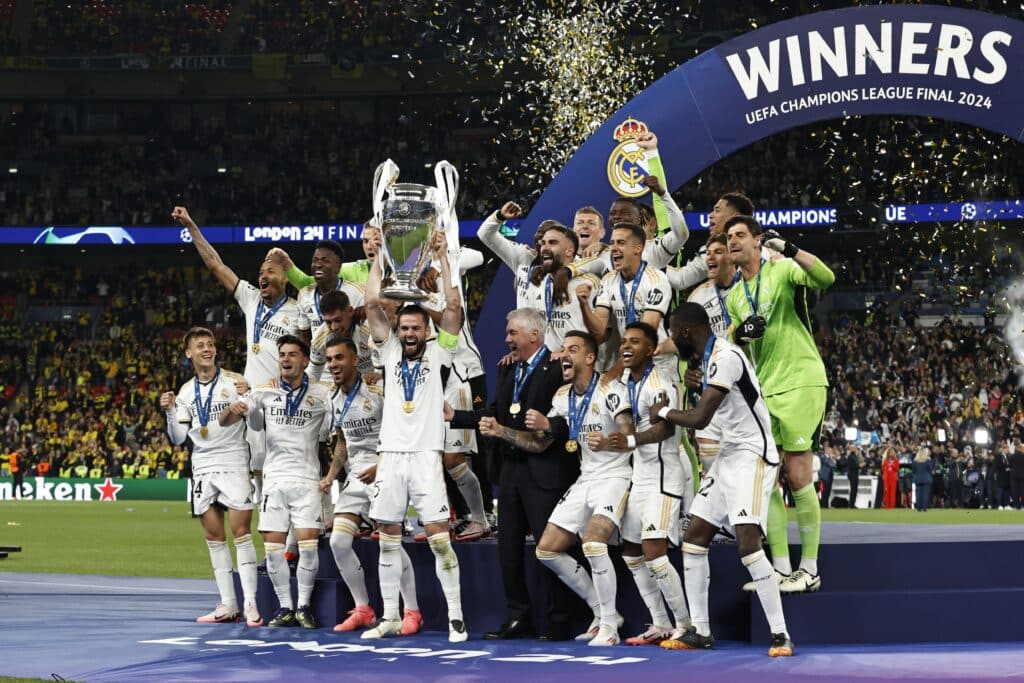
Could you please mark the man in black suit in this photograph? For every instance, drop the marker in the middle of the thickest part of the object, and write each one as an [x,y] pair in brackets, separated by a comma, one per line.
[530,484]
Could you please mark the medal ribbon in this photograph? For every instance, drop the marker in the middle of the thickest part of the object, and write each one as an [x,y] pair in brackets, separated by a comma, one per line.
[203,409]
[708,348]
[630,303]
[757,291]
[409,378]
[259,323]
[348,399]
[576,416]
[635,388]
[293,400]
[523,373]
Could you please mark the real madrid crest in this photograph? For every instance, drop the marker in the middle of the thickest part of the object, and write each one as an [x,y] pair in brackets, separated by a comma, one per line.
[626,164]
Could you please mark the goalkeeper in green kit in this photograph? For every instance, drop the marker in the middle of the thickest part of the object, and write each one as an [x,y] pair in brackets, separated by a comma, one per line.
[771,320]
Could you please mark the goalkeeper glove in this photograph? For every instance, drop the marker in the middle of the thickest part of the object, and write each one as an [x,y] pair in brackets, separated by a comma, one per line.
[773,240]
[752,328]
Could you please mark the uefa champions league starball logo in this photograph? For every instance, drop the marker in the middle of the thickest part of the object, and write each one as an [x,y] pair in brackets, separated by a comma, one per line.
[968,211]
[185,236]
[97,235]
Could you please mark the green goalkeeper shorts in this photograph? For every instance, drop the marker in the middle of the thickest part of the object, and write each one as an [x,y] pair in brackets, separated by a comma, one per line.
[796,418]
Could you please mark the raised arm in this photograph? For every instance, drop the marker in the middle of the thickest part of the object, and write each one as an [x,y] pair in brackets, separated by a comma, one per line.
[451,318]
[376,317]
[209,255]
[812,273]
[512,254]
[296,277]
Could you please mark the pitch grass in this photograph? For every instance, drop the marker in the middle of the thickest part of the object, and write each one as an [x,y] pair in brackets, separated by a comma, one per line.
[156,538]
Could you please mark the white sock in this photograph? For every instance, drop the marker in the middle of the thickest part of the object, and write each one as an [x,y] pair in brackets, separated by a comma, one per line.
[809,565]
[648,588]
[604,579]
[280,577]
[782,565]
[220,558]
[389,568]
[348,563]
[246,551]
[446,563]
[291,546]
[767,589]
[469,487]
[697,577]
[408,582]
[672,588]
[572,575]
[305,574]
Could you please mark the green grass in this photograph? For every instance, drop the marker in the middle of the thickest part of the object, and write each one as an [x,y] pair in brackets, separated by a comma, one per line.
[155,538]
[126,538]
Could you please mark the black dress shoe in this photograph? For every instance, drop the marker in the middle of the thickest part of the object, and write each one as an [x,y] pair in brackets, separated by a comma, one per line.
[555,635]
[515,628]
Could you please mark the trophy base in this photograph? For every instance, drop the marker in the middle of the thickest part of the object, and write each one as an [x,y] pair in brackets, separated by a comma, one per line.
[403,294]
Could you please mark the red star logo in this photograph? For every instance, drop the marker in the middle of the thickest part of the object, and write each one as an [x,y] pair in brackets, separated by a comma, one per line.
[108,491]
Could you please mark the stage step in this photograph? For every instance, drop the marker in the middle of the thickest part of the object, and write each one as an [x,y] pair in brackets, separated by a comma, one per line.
[898,616]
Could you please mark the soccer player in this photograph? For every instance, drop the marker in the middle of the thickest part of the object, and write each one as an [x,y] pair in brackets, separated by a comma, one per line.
[550,291]
[269,315]
[662,486]
[220,472]
[296,416]
[696,269]
[737,489]
[711,295]
[339,321]
[357,410]
[325,267]
[412,441]
[633,292]
[583,413]
[770,317]
[352,273]
[519,257]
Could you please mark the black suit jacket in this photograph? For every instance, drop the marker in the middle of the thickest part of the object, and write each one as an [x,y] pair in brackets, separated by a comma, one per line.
[555,468]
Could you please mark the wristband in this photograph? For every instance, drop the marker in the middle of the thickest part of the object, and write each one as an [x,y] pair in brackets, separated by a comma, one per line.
[631,441]
[663,413]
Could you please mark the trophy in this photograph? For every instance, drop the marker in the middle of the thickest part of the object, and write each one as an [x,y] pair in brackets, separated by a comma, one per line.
[408,215]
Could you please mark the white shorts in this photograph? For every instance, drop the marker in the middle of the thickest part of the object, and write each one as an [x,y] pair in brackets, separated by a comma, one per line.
[584,499]
[291,502]
[651,514]
[409,478]
[736,491]
[353,497]
[233,490]
[460,397]
[257,441]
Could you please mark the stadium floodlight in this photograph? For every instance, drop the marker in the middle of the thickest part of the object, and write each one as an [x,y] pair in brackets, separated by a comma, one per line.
[12,169]
[940,436]
[222,169]
[981,436]
[851,433]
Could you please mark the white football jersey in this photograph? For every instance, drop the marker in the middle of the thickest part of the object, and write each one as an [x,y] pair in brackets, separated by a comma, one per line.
[565,317]
[262,367]
[743,415]
[223,449]
[608,401]
[712,298]
[656,466]
[423,428]
[360,423]
[318,350]
[652,292]
[309,302]
[517,256]
[292,440]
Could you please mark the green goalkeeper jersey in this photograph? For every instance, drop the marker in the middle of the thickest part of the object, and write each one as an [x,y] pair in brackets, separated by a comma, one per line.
[786,357]
[353,271]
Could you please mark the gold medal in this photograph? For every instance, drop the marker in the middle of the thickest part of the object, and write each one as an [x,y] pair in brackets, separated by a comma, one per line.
[409,406]
[572,445]
[204,431]
[515,408]
[255,348]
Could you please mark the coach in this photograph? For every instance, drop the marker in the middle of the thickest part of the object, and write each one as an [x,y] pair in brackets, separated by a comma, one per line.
[530,484]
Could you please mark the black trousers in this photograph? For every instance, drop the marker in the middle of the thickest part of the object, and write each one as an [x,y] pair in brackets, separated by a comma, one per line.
[524,508]
[854,484]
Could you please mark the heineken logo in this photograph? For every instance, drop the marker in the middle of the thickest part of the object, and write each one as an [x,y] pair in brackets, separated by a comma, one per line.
[106,490]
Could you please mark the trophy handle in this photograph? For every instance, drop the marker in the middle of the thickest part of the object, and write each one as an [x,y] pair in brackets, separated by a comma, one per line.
[447,179]
[383,178]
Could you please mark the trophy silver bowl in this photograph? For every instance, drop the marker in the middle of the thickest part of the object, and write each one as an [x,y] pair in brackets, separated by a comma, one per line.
[409,219]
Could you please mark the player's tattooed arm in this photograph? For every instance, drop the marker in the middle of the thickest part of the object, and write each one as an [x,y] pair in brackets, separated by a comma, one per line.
[338,460]
[210,257]
[536,441]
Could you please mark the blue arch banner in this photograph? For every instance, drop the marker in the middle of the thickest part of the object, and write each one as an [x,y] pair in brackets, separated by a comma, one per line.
[920,60]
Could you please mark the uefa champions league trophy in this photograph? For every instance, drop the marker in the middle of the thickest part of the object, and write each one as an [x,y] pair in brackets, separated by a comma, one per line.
[408,215]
